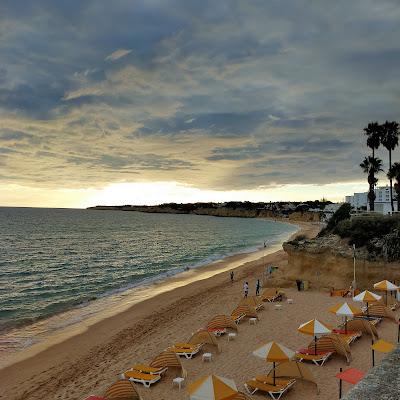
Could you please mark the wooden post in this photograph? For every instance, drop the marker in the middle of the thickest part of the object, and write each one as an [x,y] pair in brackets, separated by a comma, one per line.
[373,353]
[398,332]
[340,386]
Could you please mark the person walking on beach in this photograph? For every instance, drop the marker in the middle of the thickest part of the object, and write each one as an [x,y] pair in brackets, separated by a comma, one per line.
[232,276]
[246,289]
[258,285]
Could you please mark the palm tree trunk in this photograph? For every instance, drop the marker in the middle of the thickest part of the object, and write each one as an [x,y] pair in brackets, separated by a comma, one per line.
[371,197]
[391,181]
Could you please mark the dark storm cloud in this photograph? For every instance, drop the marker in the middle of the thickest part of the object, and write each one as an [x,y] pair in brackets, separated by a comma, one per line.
[244,92]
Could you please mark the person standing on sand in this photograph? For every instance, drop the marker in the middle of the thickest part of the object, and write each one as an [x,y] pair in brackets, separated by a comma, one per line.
[232,276]
[258,285]
[246,289]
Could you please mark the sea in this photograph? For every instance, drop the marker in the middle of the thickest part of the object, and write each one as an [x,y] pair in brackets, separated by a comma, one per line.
[53,261]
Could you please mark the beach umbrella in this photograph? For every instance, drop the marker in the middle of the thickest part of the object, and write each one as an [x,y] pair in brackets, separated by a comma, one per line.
[212,387]
[385,286]
[274,352]
[367,297]
[345,310]
[314,328]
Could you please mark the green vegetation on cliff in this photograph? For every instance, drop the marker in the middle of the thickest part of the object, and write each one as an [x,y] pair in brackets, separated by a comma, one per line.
[378,234]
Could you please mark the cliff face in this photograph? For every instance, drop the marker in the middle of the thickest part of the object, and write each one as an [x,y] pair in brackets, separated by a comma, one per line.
[328,262]
[216,212]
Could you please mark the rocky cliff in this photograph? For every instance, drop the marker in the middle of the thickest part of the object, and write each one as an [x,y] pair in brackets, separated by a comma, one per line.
[327,262]
[217,212]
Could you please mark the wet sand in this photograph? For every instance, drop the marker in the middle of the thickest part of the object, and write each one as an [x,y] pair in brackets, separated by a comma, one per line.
[90,361]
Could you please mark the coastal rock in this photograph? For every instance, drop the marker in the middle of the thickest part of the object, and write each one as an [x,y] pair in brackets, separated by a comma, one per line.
[327,261]
[387,247]
[381,382]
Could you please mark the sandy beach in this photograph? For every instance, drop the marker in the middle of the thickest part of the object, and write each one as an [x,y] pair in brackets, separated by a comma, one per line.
[88,362]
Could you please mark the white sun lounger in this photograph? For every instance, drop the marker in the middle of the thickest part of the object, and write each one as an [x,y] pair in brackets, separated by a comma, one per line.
[238,318]
[187,352]
[275,391]
[145,379]
[318,359]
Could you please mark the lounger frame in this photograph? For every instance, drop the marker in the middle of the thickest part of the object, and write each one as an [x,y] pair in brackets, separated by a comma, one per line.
[318,359]
[145,382]
[275,394]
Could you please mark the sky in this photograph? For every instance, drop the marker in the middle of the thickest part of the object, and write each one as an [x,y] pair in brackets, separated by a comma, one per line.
[151,101]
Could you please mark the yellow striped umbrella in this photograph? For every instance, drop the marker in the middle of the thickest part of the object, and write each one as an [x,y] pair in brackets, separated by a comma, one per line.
[314,328]
[385,286]
[274,352]
[345,310]
[367,297]
[212,387]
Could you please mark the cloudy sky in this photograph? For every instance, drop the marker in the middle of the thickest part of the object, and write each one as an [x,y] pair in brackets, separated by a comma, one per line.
[147,101]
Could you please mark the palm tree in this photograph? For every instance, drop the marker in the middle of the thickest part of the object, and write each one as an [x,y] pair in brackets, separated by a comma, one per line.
[390,139]
[394,173]
[373,132]
[371,166]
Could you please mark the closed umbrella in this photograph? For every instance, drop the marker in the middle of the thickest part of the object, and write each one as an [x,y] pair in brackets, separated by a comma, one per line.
[274,352]
[314,328]
[212,387]
[345,310]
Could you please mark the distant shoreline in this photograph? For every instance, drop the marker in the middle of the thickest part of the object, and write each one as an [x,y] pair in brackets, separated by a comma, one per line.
[276,211]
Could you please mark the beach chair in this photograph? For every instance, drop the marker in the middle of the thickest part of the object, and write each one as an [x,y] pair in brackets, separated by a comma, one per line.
[308,355]
[146,369]
[379,310]
[394,306]
[217,331]
[374,321]
[237,317]
[271,294]
[275,391]
[122,390]
[253,301]
[138,377]
[186,350]
[348,336]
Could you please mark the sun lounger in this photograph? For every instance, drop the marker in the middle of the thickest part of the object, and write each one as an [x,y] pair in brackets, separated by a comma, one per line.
[348,336]
[145,379]
[186,350]
[237,318]
[270,380]
[217,331]
[318,359]
[372,320]
[145,369]
[275,391]
[271,295]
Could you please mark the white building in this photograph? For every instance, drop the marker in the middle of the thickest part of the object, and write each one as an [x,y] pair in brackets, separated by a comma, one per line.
[382,201]
[358,200]
[381,204]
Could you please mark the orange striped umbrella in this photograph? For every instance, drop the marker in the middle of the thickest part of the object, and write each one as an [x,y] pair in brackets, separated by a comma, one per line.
[314,328]
[385,286]
[212,387]
[345,310]
[274,352]
[367,297]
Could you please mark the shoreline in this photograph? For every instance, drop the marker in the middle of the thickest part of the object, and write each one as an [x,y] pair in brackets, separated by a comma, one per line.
[92,335]
[68,323]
